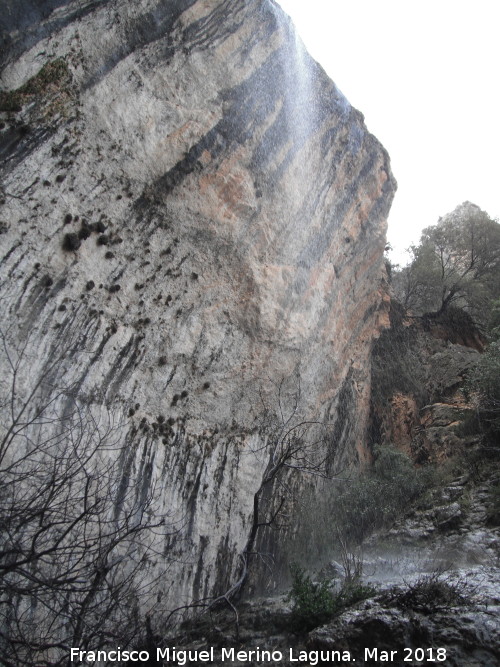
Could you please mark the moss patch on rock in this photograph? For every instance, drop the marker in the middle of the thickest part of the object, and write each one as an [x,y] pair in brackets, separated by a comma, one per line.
[50,84]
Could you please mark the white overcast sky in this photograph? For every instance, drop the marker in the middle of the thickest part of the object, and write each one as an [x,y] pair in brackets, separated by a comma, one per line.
[425,74]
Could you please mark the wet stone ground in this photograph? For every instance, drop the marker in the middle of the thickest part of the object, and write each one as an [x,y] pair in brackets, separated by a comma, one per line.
[437,577]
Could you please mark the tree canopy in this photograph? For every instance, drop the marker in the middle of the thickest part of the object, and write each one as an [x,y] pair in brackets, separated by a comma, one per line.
[457,262]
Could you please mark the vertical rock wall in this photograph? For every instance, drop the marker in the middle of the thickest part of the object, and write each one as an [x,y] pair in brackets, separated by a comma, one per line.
[189,209]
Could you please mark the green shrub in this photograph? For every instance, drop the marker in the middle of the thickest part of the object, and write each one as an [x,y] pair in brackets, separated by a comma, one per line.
[355,591]
[315,604]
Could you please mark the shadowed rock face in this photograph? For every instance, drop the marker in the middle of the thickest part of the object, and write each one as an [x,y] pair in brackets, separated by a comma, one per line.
[419,372]
[192,209]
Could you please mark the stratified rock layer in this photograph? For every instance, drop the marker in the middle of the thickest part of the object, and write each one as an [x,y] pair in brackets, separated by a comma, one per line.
[190,208]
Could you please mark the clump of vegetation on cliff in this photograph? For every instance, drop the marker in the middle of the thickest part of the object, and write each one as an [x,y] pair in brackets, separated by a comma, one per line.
[49,89]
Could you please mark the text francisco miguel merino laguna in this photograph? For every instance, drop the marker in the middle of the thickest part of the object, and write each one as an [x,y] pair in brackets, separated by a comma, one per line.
[185,657]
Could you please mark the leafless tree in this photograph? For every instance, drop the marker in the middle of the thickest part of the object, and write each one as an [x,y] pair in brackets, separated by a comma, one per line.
[75,535]
[292,445]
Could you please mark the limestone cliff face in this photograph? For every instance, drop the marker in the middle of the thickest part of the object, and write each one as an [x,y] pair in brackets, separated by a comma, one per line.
[189,207]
